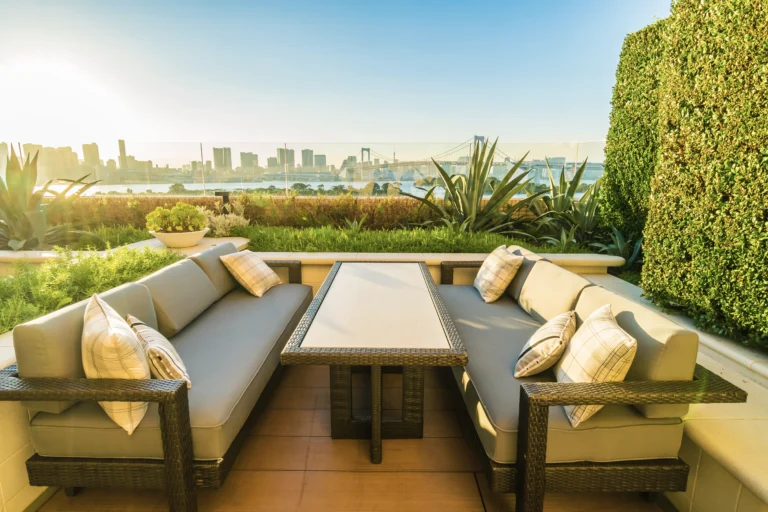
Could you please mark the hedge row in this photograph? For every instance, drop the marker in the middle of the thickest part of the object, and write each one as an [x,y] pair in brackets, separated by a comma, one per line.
[631,146]
[707,232]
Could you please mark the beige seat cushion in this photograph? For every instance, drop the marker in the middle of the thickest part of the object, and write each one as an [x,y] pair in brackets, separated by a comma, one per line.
[665,350]
[494,334]
[529,260]
[209,261]
[111,350]
[550,290]
[230,351]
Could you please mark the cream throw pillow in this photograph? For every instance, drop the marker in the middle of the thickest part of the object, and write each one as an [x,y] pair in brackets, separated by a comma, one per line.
[251,272]
[600,351]
[547,344]
[497,271]
[164,362]
[112,351]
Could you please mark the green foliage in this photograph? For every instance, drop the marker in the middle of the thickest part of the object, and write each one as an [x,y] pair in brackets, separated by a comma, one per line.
[35,291]
[621,246]
[356,225]
[181,218]
[706,238]
[225,222]
[418,240]
[464,208]
[24,212]
[630,276]
[632,143]
[111,236]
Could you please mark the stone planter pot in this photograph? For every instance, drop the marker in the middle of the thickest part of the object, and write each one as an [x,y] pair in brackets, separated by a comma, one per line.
[180,240]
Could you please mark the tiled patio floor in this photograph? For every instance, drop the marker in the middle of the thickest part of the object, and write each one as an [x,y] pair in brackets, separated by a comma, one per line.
[291,464]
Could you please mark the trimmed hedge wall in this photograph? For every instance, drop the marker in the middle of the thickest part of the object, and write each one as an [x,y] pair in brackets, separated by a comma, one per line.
[631,146]
[706,237]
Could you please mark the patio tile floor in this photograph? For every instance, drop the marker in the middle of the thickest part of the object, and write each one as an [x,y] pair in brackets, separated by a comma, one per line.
[290,463]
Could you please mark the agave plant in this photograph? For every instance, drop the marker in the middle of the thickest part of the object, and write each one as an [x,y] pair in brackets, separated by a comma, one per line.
[560,196]
[621,246]
[465,208]
[24,221]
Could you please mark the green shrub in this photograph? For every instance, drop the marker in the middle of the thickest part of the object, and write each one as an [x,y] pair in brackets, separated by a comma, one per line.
[632,143]
[419,240]
[706,239]
[35,291]
[181,218]
[112,236]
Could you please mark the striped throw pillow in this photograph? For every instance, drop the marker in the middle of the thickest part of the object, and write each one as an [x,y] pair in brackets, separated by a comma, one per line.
[497,271]
[112,351]
[251,272]
[547,344]
[164,362]
[600,351]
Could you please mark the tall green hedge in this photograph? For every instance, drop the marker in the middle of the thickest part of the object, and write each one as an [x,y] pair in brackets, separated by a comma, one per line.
[632,143]
[706,243]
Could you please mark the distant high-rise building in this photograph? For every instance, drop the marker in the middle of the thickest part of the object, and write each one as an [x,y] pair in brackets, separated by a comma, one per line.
[307,158]
[271,162]
[208,167]
[222,159]
[319,161]
[31,149]
[285,157]
[91,154]
[249,160]
[122,160]
[111,164]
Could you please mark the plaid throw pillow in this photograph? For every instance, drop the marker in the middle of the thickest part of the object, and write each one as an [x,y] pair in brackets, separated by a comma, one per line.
[600,351]
[546,345]
[112,351]
[164,362]
[498,270]
[251,272]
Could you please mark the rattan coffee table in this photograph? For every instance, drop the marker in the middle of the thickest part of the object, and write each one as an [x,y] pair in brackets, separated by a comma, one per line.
[374,315]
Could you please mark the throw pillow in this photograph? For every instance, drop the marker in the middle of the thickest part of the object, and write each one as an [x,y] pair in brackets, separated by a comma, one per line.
[112,351]
[600,351]
[497,271]
[251,272]
[164,362]
[547,344]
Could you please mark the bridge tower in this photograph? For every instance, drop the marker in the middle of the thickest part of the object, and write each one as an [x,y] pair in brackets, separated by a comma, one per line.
[364,151]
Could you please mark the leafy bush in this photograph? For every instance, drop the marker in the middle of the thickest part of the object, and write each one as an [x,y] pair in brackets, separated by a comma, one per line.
[465,208]
[619,245]
[25,222]
[327,239]
[94,211]
[706,241]
[181,218]
[35,291]
[632,143]
[224,223]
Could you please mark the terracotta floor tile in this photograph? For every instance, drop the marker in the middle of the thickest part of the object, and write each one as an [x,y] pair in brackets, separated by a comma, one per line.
[400,492]
[292,397]
[429,454]
[441,424]
[306,375]
[107,500]
[254,491]
[285,423]
[273,453]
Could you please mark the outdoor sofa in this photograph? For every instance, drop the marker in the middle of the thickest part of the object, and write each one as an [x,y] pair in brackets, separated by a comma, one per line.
[230,342]
[530,447]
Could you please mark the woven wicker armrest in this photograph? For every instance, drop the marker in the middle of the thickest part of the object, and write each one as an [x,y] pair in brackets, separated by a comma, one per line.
[706,387]
[447,268]
[14,388]
[537,398]
[293,266]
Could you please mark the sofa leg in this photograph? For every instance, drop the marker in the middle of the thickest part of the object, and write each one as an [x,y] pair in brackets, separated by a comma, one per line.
[71,491]
[531,455]
[177,451]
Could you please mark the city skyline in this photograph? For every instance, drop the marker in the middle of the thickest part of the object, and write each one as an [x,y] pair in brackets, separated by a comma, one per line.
[331,71]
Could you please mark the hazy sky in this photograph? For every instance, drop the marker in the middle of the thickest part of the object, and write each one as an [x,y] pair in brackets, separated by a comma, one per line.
[311,71]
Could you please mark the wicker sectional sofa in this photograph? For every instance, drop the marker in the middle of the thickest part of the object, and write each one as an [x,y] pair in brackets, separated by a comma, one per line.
[530,447]
[230,342]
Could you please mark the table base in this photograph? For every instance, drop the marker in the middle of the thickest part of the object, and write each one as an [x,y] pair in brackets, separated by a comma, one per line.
[345,425]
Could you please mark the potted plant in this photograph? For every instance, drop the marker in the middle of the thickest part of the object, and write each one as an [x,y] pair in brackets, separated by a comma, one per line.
[181,226]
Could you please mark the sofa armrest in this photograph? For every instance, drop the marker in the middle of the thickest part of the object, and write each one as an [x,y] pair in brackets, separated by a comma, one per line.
[706,387]
[293,266]
[537,398]
[171,395]
[447,268]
